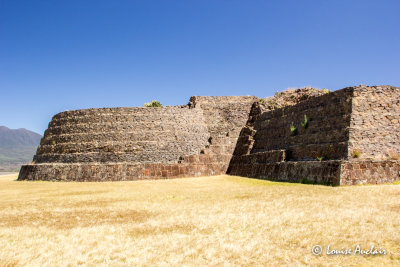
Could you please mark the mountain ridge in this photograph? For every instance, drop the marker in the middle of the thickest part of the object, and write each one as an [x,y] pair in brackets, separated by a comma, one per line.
[17,147]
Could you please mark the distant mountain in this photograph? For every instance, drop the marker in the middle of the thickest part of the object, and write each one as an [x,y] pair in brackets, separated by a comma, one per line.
[17,147]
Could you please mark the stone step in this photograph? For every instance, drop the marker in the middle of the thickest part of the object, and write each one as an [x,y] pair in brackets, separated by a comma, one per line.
[116,171]
[260,157]
[117,126]
[207,158]
[132,136]
[135,111]
[273,143]
[130,118]
[123,146]
[325,151]
[148,156]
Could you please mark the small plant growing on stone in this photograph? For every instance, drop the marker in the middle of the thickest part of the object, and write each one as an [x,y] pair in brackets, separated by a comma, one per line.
[304,124]
[356,153]
[153,103]
[322,158]
[261,100]
[293,130]
[325,91]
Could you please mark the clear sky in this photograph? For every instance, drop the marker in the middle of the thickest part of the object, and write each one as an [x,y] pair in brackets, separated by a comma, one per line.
[66,54]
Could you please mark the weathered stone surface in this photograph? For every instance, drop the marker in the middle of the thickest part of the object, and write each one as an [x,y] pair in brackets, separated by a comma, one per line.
[123,135]
[137,143]
[355,118]
[225,116]
[322,172]
[328,119]
[299,135]
[290,97]
[375,123]
[369,172]
[98,172]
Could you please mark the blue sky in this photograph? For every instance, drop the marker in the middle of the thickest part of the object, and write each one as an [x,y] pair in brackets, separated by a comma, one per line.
[64,55]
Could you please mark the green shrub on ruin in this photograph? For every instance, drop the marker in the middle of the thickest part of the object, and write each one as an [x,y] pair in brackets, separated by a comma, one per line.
[293,130]
[356,153]
[153,103]
[304,124]
[325,91]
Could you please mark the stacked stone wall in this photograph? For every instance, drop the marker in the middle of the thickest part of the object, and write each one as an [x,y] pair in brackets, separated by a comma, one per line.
[239,135]
[113,171]
[225,117]
[355,118]
[140,143]
[375,123]
[324,172]
[325,135]
[369,172]
[280,100]
[268,149]
[123,135]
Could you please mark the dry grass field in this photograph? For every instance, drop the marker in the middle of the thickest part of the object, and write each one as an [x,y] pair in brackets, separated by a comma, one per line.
[219,220]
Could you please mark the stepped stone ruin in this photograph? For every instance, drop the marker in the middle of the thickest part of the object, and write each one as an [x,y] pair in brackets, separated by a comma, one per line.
[349,136]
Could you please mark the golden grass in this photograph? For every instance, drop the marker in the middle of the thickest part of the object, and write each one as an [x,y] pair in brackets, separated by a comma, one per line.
[217,220]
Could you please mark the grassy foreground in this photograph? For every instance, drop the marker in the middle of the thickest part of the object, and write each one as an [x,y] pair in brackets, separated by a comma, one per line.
[219,220]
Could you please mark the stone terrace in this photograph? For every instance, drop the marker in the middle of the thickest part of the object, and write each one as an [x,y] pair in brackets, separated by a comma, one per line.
[350,136]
